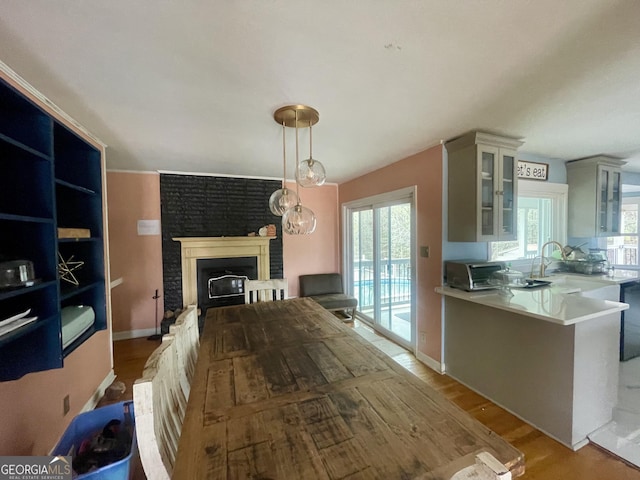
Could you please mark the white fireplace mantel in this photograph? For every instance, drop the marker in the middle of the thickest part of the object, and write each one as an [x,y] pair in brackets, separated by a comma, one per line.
[194,248]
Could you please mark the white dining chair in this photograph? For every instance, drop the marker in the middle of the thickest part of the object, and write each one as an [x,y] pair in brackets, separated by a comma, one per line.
[265,290]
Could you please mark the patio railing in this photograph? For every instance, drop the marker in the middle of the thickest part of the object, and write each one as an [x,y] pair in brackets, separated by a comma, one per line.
[623,255]
[394,286]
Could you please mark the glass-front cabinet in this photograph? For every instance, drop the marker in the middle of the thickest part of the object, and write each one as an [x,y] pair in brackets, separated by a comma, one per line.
[482,188]
[595,198]
[609,199]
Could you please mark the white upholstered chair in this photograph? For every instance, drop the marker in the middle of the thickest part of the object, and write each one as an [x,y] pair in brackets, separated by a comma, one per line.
[159,405]
[265,290]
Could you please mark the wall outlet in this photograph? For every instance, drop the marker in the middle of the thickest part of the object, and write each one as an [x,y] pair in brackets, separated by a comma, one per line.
[423,337]
[424,252]
[65,405]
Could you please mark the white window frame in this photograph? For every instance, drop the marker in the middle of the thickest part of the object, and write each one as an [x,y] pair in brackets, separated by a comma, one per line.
[602,242]
[558,193]
[395,197]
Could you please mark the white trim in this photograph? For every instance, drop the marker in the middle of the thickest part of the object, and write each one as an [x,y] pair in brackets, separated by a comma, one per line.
[230,175]
[99,393]
[409,193]
[194,248]
[203,174]
[139,172]
[558,192]
[17,81]
[395,197]
[430,362]
[129,334]
[227,175]
[93,401]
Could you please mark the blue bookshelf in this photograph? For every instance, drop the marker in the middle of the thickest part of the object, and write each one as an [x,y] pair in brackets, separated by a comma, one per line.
[50,178]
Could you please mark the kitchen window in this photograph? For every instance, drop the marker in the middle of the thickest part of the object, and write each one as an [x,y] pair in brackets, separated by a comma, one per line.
[542,216]
[623,250]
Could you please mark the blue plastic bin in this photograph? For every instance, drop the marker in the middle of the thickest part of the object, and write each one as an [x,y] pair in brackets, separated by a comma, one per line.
[85,425]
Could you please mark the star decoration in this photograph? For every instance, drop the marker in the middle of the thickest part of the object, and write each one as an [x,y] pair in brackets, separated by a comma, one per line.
[66,269]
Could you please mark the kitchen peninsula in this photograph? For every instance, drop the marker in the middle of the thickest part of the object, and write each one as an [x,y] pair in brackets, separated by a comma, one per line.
[549,355]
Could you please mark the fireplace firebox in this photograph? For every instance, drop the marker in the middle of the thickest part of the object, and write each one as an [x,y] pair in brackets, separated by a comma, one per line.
[221,280]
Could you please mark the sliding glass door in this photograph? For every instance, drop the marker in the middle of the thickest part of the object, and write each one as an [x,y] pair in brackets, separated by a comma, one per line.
[379,262]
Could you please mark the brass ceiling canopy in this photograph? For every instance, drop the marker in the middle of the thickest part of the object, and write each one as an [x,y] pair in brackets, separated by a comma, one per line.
[307,116]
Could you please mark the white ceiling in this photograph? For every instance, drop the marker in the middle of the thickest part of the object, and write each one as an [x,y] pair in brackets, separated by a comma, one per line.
[191,85]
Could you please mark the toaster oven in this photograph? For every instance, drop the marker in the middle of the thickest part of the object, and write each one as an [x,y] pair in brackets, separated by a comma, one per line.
[470,275]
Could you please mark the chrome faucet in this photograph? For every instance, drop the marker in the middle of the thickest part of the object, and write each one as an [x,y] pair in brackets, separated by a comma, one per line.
[542,264]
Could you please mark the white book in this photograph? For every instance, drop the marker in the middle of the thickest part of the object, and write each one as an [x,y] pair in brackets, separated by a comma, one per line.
[7,327]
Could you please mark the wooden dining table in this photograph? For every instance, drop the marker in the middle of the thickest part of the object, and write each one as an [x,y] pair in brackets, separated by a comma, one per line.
[285,390]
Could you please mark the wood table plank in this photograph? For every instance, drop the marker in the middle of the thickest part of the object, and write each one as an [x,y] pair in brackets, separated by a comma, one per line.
[285,390]
[305,371]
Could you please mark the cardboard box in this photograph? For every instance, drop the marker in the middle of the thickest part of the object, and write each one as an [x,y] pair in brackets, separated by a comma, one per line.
[74,233]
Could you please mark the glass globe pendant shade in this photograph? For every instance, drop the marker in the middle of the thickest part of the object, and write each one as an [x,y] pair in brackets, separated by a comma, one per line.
[310,173]
[299,220]
[282,200]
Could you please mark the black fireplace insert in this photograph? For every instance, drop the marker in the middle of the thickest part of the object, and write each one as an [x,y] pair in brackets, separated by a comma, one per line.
[221,280]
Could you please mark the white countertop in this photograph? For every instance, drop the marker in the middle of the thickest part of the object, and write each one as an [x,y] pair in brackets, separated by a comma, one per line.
[562,302]
[620,276]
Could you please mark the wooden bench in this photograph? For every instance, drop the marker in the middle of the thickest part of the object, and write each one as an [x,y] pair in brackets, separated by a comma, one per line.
[328,291]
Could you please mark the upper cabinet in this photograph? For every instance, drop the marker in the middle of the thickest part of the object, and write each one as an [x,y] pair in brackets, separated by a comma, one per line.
[51,180]
[483,187]
[595,197]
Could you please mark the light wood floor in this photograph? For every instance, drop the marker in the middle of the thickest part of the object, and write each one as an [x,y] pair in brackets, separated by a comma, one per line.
[545,458]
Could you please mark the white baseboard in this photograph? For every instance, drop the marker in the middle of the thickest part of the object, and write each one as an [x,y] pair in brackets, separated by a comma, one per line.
[99,393]
[128,334]
[95,398]
[430,362]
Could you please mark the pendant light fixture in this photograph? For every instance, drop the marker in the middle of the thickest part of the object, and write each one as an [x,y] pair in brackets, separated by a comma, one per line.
[310,173]
[297,220]
[283,199]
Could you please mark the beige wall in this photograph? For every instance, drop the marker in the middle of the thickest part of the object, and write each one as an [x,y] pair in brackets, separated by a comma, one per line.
[31,419]
[136,259]
[425,171]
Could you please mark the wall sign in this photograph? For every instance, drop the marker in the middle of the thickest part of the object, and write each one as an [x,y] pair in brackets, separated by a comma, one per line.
[148,227]
[533,170]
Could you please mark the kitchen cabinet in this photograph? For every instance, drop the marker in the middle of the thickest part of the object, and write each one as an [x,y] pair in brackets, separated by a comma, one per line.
[51,177]
[595,197]
[482,188]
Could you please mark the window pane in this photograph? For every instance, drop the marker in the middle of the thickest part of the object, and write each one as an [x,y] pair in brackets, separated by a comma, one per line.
[623,250]
[362,231]
[535,227]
